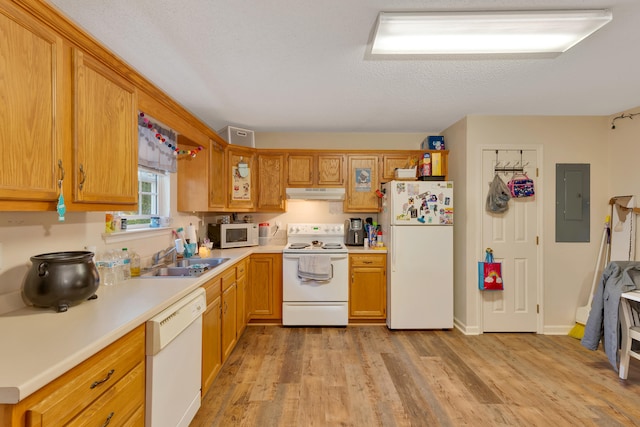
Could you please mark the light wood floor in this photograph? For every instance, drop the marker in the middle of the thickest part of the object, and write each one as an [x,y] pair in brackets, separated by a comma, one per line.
[370,376]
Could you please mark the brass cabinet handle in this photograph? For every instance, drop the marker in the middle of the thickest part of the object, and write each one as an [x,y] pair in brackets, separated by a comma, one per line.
[84,176]
[61,171]
[367,262]
[97,383]
[108,420]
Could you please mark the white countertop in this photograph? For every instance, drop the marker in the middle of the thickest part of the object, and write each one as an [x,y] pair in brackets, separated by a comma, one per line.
[363,250]
[39,344]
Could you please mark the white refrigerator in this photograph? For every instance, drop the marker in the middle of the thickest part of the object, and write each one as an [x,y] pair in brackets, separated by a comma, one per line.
[417,225]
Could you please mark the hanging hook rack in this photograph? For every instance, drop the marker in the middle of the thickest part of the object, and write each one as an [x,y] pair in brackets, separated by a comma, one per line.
[517,167]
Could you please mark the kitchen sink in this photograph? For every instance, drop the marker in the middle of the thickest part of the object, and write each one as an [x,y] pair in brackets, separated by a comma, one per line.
[171,272]
[211,262]
[190,267]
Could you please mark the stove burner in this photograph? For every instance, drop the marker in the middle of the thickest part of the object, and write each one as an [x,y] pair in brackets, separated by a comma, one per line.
[298,245]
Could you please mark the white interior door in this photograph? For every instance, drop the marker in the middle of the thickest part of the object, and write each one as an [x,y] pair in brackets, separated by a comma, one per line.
[512,236]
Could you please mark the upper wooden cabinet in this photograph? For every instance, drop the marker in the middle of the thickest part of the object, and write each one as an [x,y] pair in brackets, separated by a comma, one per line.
[242,178]
[400,160]
[201,179]
[72,114]
[31,110]
[271,182]
[362,183]
[105,134]
[217,177]
[315,169]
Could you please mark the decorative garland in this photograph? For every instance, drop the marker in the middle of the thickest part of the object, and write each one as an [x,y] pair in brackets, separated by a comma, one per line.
[163,140]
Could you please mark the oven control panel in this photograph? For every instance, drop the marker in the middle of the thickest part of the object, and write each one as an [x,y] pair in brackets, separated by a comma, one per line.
[315,230]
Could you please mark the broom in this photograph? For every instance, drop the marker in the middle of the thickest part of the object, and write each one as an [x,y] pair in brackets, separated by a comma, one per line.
[582,313]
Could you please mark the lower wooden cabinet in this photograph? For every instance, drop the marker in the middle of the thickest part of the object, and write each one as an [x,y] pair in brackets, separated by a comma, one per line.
[264,296]
[241,297]
[211,334]
[229,330]
[221,321]
[367,286]
[107,387]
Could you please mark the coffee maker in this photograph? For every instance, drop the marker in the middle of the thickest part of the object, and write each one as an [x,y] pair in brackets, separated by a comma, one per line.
[353,232]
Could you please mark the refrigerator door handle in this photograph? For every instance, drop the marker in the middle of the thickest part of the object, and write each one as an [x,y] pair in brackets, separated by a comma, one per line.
[393,252]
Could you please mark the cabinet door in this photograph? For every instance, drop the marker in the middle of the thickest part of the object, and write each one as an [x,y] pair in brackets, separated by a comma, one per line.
[105,134]
[217,177]
[193,189]
[400,160]
[229,318]
[30,111]
[300,170]
[271,179]
[242,178]
[265,290]
[330,170]
[362,183]
[367,293]
[241,309]
[368,287]
[211,343]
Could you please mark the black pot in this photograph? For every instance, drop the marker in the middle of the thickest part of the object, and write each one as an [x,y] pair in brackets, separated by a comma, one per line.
[60,279]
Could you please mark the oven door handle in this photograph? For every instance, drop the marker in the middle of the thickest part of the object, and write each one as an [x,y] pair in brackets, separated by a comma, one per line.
[306,279]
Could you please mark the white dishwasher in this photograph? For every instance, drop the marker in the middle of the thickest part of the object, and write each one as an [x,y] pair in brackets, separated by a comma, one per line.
[174,358]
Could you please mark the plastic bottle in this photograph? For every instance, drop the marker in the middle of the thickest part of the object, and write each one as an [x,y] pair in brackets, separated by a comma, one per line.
[135,264]
[379,242]
[107,269]
[125,264]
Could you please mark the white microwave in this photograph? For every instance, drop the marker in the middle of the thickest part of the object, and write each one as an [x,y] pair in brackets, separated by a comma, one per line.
[224,236]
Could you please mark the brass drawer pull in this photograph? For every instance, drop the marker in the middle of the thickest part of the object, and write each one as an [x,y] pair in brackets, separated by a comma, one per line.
[108,420]
[97,383]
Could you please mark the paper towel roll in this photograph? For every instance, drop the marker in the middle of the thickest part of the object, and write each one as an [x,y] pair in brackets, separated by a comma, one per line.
[191,235]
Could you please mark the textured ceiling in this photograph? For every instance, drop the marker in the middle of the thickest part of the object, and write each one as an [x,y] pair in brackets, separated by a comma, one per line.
[300,65]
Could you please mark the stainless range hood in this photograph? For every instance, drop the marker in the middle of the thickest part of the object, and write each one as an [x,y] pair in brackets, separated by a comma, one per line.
[324,193]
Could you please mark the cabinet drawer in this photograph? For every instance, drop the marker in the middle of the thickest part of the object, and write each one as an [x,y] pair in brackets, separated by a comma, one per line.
[212,288]
[373,260]
[117,404]
[62,399]
[241,268]
[228,278]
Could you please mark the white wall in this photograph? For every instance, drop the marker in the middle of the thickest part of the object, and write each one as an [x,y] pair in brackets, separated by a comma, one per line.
[456,142]
[623,147]
[568,267]
[25,234]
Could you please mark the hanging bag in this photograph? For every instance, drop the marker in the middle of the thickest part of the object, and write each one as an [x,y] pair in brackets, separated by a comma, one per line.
[498,196]
[489,273]
[520,185]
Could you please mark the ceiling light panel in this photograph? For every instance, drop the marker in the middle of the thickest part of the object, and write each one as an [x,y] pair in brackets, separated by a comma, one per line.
[503,32]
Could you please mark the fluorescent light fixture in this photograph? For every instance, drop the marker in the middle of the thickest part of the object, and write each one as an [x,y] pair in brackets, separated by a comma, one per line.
[491,32]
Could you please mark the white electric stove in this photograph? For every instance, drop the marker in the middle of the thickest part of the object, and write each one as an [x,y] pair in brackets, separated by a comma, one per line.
[323,299]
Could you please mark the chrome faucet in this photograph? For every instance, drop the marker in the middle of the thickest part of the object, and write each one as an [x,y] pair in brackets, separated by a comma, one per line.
[160,256]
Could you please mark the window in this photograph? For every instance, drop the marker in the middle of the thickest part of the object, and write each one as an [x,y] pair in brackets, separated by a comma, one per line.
[147,192]
[153,198]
